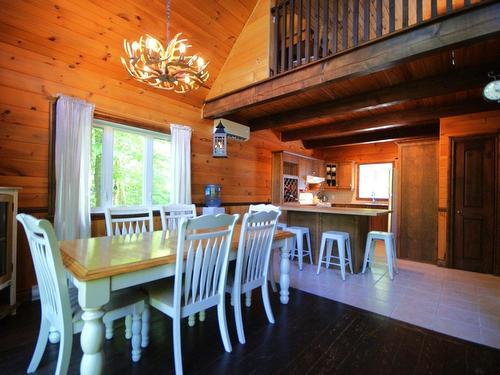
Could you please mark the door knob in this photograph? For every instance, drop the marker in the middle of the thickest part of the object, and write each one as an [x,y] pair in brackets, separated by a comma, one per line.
[459,212]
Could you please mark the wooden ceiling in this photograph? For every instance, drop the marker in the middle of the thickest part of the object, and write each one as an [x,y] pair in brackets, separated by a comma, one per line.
[98,28]
[404,99]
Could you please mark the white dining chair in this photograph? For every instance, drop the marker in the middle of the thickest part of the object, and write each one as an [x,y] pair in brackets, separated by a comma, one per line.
[58,311]
[120,222]
[252,263]
[172,214]
[200,278]
[258,208]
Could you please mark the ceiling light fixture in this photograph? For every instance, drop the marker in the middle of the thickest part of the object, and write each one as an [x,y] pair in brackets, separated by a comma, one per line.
[167,68]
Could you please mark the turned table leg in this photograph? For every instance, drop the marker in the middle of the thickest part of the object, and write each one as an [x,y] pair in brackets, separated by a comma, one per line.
[92,340]
[285,271]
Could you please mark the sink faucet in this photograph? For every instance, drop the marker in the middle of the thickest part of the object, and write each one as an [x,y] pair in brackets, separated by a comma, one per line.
[373,197]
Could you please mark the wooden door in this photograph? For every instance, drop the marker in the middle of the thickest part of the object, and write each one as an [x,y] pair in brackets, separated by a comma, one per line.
[473,203]
[418,201]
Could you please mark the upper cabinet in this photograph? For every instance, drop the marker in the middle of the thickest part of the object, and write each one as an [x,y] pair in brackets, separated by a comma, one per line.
[339,175]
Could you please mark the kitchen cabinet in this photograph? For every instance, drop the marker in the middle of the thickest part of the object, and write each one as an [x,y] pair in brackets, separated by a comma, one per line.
[289,173]
[339,175]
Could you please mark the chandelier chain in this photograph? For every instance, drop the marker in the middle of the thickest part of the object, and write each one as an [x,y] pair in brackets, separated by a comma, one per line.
[168,21]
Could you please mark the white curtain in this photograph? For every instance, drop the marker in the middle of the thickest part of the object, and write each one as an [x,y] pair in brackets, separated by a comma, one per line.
[72,162]
[181,163]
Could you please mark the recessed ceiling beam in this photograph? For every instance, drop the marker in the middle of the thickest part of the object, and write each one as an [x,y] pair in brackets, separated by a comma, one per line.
[428,87]
[400,133]
[387,120]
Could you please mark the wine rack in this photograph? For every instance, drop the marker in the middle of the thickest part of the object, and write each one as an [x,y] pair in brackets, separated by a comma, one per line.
[290,188]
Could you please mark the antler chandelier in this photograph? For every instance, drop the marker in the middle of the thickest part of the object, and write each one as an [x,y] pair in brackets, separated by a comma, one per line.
[167,68]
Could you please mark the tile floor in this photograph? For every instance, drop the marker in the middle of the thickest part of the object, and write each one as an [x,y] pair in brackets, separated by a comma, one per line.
[458,303]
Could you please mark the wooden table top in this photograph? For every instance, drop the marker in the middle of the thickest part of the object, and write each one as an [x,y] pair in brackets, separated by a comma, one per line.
[98,257]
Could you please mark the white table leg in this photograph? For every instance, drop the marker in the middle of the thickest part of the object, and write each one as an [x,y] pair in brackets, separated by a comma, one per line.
[92,340]
[285,270]
[92,295]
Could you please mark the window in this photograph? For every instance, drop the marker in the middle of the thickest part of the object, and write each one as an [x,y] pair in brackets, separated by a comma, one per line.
[374,181]
[128,166]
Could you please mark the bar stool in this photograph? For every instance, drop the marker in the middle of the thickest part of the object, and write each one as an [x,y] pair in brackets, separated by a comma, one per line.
[390,250]
[298,246]
[281,226]
[344,246]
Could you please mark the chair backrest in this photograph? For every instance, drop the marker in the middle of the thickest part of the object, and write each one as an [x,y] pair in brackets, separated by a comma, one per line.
[172,214]
[120,221]
[262,207]
[254,247]
[205,242]
[49,270]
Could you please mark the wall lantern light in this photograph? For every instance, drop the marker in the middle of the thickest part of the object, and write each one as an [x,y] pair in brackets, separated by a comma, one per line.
[220,142]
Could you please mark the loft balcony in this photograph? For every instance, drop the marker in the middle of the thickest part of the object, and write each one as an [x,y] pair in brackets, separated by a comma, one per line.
[344,72]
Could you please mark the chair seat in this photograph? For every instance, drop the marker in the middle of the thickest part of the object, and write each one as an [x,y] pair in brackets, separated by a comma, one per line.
[297,229]
[335,234]
[379,235]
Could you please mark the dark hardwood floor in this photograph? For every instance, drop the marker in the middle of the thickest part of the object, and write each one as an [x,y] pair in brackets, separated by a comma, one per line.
[311,335]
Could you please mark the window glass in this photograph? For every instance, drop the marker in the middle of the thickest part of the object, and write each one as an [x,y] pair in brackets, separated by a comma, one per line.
[161,171]
[374,180]
[128,168]
[96,167]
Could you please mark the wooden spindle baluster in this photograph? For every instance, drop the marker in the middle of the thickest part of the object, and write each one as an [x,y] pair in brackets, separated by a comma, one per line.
[325,29]
[308,31]
[405,14]
[366,16]
[290,36]
[419,11]
[283,38]
[379,18]
[299,32]
[355,22]
[316,29]
[434,8]
[392,16]
[345,14]
[335,25]
[276,39]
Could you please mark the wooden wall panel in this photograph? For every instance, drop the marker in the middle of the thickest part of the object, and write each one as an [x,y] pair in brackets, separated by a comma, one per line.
[459,126]
[248,61]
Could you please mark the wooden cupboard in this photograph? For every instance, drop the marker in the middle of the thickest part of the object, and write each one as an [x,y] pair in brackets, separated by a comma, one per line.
[339,175]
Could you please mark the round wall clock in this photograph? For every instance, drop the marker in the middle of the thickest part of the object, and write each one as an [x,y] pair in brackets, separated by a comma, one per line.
[492,90]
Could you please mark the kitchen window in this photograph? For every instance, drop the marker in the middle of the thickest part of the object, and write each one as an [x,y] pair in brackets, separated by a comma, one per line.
[374,181]
[129,167]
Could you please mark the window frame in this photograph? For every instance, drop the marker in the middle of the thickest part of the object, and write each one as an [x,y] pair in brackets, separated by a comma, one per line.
[358,180]
[107,163]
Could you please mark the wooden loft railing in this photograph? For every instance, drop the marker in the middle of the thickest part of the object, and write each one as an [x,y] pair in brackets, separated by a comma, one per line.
[309,30]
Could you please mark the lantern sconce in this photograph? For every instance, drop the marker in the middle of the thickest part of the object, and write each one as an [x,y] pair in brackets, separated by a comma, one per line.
[220,142]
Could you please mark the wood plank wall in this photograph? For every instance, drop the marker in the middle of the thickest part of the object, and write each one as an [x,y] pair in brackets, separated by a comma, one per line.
[459,126]
[73,47]
[248,61]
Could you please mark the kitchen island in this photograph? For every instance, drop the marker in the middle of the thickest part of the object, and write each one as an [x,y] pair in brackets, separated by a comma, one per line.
[319,219]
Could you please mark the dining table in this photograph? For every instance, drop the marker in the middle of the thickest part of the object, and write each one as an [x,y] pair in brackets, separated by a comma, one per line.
[101,265]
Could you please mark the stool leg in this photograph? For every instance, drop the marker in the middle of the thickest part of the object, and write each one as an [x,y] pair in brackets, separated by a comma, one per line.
[294,246]
[388,252]
[308,238]
[329,248]
[321,251]
[300,250]
[341,246]
[349,257]
[367,252]
[396,269]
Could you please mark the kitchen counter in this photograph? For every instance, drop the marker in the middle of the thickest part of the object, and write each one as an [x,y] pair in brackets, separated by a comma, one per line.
[335,210]
[353,220]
